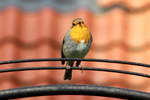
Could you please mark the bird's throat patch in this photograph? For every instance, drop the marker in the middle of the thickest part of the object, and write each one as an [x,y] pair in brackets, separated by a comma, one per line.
[79,34]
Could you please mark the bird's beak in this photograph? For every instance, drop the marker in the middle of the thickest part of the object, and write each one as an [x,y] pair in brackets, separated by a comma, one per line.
[82,25]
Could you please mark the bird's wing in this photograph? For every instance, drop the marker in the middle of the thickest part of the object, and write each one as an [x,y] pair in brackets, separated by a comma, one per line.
[62,54]
[91,37]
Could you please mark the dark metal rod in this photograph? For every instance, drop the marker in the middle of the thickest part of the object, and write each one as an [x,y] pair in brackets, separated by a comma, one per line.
[75,59]
[66,89]
[74,68]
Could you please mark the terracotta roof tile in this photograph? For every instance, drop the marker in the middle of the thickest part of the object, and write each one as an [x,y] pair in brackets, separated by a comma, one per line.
[136,29]
[29,25]
[108,2]
[7,84]
[139,3]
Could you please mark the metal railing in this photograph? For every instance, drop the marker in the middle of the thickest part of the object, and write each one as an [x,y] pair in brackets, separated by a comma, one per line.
[71,89]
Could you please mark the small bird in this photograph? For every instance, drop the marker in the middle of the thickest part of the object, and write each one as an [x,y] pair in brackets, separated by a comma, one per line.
[76,44]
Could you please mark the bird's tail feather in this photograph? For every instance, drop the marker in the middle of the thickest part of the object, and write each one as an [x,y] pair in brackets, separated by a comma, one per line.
[68,74]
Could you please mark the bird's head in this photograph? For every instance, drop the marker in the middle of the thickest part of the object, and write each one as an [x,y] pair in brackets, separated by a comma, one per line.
[78,21]
[79,31]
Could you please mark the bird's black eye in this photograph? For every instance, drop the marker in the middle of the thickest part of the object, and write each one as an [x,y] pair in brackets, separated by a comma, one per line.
[73,24]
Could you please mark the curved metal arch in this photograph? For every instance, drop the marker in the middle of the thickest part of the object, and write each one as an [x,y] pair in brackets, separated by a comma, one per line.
[70,89]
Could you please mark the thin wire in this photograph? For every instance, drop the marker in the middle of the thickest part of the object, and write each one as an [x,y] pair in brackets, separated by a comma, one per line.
[68,89]
[74,68]
[75,59]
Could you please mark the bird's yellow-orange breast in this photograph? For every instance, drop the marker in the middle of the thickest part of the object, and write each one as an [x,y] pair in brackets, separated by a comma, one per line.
[79,34]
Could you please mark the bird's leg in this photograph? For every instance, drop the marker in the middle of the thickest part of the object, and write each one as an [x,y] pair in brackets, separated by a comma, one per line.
[82,69]
[67,66]
[78,65]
